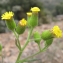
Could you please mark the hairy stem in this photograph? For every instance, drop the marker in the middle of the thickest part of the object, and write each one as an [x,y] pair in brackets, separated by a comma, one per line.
[34,54]
[17,40]
[27,41]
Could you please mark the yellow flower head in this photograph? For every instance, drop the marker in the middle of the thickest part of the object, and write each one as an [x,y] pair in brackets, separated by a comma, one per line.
[57,32]
[7,15]
[23,22]
[29,13]
[35,9]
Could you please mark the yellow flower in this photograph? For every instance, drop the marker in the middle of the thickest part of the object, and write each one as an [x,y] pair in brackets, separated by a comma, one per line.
[35,9]
[57,32]
[23,22]
[29,13]
[7,15]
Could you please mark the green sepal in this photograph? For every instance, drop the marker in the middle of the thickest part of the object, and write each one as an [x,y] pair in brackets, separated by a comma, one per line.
[28,17]
[0,47]
[37,37]
[46,35]
[33,20]
[11,24]
[48,42]
[20,29]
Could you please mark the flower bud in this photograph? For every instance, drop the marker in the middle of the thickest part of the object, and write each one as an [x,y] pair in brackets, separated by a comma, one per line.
[8,17]
[46,35]
[56,31]
[48,42]
[29,14]
[11,24]
[21,26]
[37,37]
[35,9]
[33,21]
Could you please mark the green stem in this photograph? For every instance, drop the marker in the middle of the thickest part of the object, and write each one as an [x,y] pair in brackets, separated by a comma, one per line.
[39,46]
[16,35]
[33,39]
[17,40]
[20,53]
[30,32]
[33,54]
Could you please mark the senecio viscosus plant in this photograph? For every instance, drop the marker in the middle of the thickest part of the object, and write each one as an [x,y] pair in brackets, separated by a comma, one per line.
[31,23]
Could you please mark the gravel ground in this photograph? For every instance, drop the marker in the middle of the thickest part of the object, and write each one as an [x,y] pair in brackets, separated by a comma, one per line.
[54,54]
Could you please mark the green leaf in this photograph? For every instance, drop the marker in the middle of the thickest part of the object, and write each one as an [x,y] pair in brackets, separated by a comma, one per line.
[48,42]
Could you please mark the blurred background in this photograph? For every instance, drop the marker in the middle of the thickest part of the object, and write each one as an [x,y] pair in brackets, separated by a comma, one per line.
[51,14]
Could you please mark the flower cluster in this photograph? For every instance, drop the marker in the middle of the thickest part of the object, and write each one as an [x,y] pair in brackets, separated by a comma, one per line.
[31,23]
